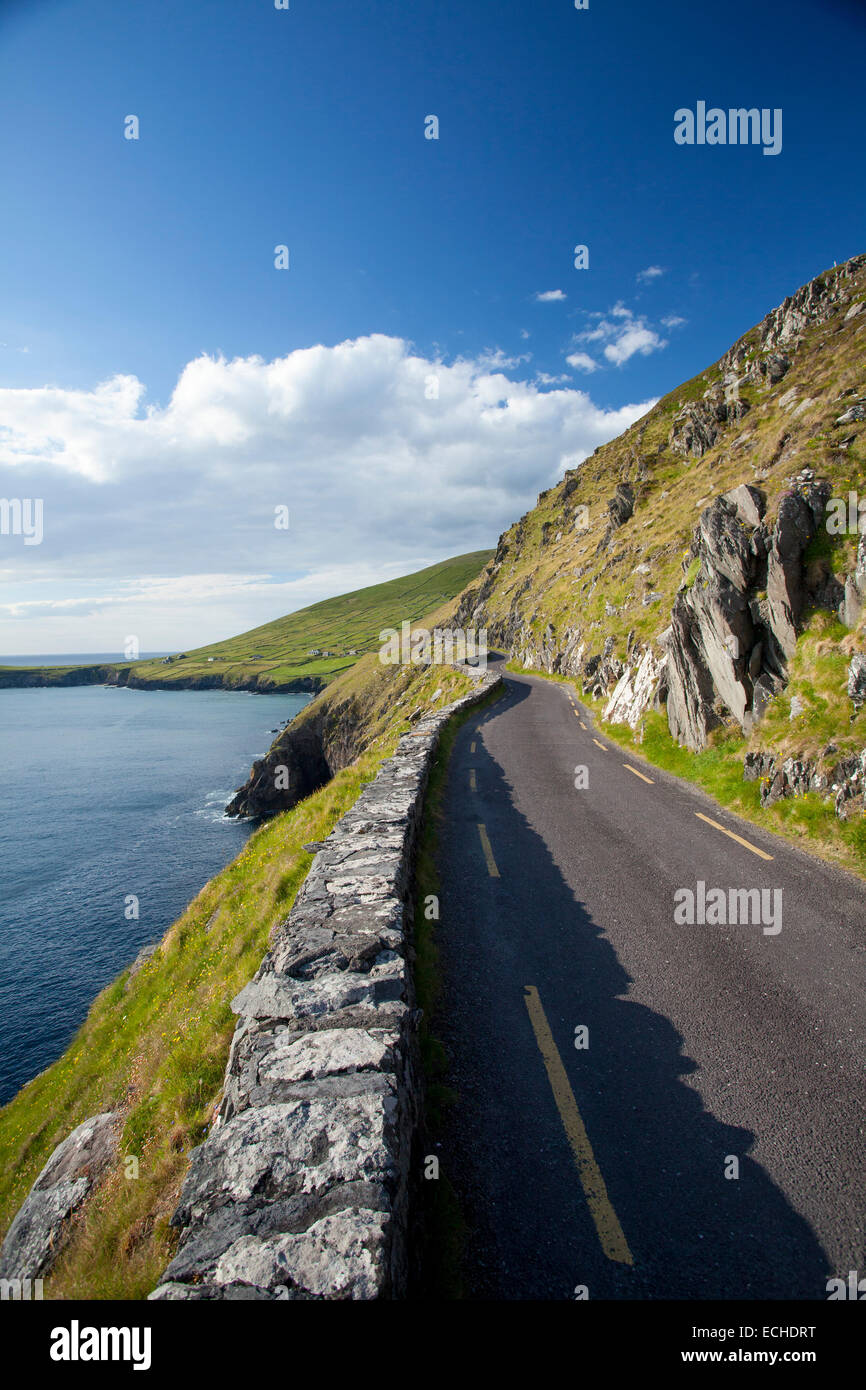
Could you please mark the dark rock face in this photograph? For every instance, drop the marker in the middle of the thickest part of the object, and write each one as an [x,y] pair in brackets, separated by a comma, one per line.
[698,425]
[793,778]
[36,1236]
[727,644]
[800,513]
[758,767]
[621,505]
[295,766]
[854,597]
[620,509]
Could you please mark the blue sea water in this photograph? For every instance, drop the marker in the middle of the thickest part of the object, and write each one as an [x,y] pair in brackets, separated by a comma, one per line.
[107,792]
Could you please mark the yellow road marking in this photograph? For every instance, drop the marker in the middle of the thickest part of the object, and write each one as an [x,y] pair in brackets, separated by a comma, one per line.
[739,839]
[582,725]
[610,1233]
[576,715]
[639,774]
[599,745]
[472,786]
[488,852]
[472,747]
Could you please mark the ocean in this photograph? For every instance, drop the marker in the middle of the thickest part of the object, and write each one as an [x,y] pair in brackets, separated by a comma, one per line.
[107,793]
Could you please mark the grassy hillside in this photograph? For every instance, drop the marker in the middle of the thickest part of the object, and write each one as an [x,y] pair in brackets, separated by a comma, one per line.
[278,654]
[560,577]
[345,627]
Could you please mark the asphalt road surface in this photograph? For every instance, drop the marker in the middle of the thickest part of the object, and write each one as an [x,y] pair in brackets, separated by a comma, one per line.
[705,1136]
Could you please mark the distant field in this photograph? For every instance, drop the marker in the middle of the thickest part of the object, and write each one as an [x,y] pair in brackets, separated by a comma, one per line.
[278,654]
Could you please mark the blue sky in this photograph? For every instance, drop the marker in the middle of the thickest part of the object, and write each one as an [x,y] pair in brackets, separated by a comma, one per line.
[157,387]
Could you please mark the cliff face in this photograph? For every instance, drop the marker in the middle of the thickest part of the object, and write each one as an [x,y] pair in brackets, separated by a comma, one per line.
[260,682]
[302,759]
[12,677]
[608,579]
[28,677]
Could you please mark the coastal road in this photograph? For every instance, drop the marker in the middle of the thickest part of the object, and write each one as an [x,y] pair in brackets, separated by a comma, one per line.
[644,1108]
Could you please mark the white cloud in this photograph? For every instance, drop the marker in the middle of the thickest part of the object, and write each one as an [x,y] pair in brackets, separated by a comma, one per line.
[549,296]
[652,272]
[624,334]
[673,321]
[636,338]
[386,460]
[546,379]
[582,362]
[496,359]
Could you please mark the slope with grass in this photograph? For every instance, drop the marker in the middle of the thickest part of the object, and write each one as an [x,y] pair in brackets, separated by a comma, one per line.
[602,580]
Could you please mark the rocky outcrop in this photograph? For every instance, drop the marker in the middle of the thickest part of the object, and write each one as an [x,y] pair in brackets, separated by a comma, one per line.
[749,580]
[812,304]
[295,766]
[843,782]
[735,625]
[637,690]
[698,425]
[857,681]
[301,1191]
[38,1232]
[854,596]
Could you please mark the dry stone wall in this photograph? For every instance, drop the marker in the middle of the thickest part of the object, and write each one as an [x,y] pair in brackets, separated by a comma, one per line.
[301,1190]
